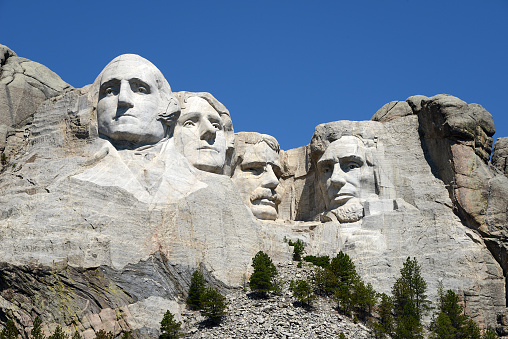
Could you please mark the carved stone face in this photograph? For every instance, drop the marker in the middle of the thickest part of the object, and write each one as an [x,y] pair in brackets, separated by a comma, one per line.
[344,175]
[128,103]
[257,177]
[199,136]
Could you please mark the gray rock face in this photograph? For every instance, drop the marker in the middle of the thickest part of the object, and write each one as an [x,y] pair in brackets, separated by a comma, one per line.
[500,155]
[111,234]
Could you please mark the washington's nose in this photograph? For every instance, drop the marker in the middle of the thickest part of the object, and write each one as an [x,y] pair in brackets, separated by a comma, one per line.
[270,180]
[125,95]
[338,177]
[207,130]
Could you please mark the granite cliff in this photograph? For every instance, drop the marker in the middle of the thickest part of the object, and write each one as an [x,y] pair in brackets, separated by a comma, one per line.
[102,222]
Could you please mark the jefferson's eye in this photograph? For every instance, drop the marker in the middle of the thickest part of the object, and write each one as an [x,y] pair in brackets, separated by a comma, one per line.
[217,126]
[326,169]
[189,123]
[109,91]
[254,170]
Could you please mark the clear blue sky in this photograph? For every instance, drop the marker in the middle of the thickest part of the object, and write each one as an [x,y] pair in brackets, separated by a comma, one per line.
[281,67]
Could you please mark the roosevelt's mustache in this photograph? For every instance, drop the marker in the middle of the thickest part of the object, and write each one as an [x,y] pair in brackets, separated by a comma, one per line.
[265,193]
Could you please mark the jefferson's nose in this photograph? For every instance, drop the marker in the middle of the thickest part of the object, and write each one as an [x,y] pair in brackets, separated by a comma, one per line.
[207,130]
[269,178]
[338,177]
[125,95]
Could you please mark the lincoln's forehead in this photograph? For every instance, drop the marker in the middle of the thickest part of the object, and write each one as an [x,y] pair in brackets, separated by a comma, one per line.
[344,147]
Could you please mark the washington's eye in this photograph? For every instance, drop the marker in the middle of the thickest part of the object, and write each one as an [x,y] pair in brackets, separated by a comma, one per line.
[142,89]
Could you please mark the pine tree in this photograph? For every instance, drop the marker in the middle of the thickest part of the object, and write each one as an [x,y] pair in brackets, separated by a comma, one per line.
[302,291]
[76,335]
[214,305]
[344,270]
[490,333]
[262,279]
[471,330]
[385,325]
[36,332]
[409,300]
[298,248]
[364,298]
[442,327]
[10,331]
[58,334]
[102,334]
[196,290]
[170,328]
[325,281]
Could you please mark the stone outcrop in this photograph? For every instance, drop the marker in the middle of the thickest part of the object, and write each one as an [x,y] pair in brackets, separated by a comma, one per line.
[108,223]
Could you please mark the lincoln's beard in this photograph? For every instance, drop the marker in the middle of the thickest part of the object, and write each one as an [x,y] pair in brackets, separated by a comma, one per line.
[349,212]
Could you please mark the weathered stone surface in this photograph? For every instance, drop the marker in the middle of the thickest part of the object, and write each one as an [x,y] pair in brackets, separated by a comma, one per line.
[500,155]
[392,110]
[137,220]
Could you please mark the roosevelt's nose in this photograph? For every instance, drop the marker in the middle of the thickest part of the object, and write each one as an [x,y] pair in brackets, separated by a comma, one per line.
[338,177]
[270,180]
[125,95]
[207,130]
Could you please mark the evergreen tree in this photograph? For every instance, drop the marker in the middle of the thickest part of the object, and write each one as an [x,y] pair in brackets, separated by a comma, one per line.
[36,332]
[262,279]
[385,325]
[342,336]
[364,298]
[102,334]
[58,334]
[471,330]
[76,335]
[325,282]
[344,271]
[298,248]
[10,331]
[196,290]
[126,335]
[302,291]
[442,327]
[409,300]
[490,333]
[214,305]
[170,328]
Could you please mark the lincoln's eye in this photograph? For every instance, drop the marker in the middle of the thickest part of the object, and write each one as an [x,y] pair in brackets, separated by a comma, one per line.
[142,89]
[352,166]
[256,170]
[189,123]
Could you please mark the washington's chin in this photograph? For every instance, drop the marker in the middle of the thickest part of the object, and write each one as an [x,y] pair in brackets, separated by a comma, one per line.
[264,209]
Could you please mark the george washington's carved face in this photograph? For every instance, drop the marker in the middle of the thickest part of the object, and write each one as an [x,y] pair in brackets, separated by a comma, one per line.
[129,101]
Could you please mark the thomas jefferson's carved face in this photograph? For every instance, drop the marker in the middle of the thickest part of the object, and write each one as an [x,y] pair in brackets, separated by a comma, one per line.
[257,177]
[199,135]
[128,103]
[344,175]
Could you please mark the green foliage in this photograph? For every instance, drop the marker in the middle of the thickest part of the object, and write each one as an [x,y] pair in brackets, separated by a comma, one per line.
[10,331]
[170,328]
[298,248]
[344,271]
[409,300]
[442,327]
[196,290]
[471,329]
[450,320]
[490,333]
[4,159]
[126,335]
[36,332]
[58,334]
[410,287]
[214,305]
[302,291]
[299,265]
[322,261]
[407,323]
[325,281]
[364,298]
[262,279]
[76,335]
[342,336]
[385,325]
[104,335]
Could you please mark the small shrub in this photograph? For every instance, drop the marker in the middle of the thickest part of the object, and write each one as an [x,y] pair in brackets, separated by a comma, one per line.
[10,331]
[262,279]
[170,328]
[196,290]
[298,248]
[299,265]
[302,291]
[36,331]
[214,305]
[322,261]
[104,335]
[58,334]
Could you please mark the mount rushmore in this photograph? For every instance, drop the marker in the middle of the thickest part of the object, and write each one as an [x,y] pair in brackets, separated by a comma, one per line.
[112,194]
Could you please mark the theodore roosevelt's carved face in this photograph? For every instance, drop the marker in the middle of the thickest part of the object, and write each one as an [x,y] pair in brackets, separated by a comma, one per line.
[129,100]
[257,177]
[199,135]
[344,175]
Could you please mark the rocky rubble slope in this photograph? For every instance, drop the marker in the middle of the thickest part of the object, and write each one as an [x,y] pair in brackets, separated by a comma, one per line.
[278,316]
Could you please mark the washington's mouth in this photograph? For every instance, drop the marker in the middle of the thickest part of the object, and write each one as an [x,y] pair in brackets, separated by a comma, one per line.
[123,115]
[208,148]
